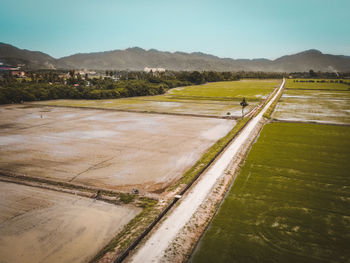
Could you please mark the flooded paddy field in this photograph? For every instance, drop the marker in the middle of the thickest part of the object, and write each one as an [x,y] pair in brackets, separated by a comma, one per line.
[211,99]
[322,106]
[38,225]
[289,203]
[105,149]
[163,104]
[318,84]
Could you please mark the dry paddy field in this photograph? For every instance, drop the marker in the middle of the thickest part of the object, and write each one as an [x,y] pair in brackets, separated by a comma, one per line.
[38,225]
[104,149]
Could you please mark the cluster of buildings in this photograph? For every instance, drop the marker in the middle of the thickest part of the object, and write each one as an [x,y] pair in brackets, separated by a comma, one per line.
[8,69]
[148,70]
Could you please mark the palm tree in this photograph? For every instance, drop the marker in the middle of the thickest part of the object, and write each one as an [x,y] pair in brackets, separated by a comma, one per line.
[243,104]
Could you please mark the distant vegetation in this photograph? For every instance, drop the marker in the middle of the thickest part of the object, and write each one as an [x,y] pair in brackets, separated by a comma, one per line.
[50,84]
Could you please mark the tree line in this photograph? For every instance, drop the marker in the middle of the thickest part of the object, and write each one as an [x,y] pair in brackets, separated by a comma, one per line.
[58,84]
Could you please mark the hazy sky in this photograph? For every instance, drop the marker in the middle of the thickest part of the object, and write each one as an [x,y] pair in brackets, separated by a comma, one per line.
[226,28]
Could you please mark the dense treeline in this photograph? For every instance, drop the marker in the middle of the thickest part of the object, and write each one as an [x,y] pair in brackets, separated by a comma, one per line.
[51,84]
[32,92]
[320,75]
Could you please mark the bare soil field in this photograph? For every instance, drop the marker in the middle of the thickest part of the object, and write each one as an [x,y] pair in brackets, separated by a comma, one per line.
[105,149]
[38,225]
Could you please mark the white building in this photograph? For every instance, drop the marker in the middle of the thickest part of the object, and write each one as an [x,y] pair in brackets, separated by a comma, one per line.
[146,69]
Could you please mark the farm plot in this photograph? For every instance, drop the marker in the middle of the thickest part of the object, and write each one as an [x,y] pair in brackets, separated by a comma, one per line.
[314,106]
[310,84]
[163,104]
[38,225]
[105,149]
[212,99]
[250,89]
[289,203]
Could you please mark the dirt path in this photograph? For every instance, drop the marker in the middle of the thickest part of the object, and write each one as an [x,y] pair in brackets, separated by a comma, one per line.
[154,248]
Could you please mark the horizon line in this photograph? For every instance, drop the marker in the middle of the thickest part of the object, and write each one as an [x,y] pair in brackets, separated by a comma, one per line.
[173,52]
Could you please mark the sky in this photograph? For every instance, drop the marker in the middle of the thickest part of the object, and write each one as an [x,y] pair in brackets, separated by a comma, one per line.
[225,28]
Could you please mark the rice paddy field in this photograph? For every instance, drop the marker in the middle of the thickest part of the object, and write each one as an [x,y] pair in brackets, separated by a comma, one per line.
[211,99]
[250,89]
[324,103]
[160,104]
[324,84]
[289,203]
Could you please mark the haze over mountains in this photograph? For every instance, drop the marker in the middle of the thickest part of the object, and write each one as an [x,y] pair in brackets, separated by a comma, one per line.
[138,59]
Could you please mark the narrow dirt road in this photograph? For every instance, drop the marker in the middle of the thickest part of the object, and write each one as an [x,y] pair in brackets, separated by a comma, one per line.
[153,249]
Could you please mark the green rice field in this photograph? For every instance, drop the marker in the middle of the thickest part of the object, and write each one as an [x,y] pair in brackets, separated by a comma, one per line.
[250,89]
[289,203]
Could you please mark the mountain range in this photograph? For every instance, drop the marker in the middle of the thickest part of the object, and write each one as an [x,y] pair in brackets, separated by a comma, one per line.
[138,58]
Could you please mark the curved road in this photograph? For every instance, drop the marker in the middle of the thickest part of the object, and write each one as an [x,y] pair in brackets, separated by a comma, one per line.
[153,249]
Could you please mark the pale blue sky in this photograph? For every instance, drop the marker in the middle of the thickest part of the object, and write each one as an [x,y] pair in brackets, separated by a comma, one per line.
[226,28]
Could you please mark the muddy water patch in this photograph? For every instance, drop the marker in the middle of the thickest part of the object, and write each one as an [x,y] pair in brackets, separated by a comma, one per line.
[11,139]
[89,134]
[213,133]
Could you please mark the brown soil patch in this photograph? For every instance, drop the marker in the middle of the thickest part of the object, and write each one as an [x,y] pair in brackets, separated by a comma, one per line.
[38,225]
[111,150]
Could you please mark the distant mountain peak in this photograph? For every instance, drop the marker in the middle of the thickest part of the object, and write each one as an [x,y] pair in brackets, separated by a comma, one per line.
[135,49]
[312,52]
[136,58]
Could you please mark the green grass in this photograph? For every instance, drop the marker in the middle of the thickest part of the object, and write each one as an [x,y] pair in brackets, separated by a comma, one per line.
[250,89]
[316,84]
[290,201]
